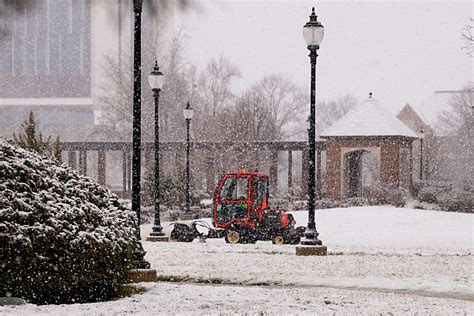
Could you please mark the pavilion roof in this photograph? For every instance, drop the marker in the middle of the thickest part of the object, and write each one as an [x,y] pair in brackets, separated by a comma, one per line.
[369,118]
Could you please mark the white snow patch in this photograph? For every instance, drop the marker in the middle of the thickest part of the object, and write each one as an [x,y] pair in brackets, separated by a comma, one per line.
[369,118]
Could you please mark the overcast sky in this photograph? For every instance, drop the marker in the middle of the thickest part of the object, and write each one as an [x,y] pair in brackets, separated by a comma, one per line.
[400,51]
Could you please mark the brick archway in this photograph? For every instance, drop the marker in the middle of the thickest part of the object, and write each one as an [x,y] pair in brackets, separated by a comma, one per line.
[352,168]
[389,150]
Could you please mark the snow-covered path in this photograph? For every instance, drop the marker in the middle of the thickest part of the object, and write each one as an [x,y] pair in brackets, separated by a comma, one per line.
[381,260]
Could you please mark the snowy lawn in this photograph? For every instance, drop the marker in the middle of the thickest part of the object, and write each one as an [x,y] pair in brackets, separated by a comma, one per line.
[381,260]
[371,247]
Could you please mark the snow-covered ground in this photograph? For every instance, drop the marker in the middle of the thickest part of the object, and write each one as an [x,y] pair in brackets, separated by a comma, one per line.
[381,260]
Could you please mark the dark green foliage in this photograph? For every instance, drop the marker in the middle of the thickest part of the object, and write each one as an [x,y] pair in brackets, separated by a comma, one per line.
[31,139]
[64,238]
[57,150]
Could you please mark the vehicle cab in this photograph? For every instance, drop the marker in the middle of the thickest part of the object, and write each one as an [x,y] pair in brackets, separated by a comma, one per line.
[240,197]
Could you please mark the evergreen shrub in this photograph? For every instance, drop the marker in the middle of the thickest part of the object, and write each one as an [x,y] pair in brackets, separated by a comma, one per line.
[457,201]
[448,196]
[63,238]
[383,194]
[171,189]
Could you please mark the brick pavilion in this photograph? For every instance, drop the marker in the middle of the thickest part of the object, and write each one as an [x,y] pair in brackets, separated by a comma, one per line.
[371,129]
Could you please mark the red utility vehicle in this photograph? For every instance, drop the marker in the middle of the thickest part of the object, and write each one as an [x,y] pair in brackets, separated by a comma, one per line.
[241,210]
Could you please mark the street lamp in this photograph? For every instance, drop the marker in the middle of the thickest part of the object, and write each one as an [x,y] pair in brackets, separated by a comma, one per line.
[156,80]
[422,135]
[313,33]
[140,262]
[188,115]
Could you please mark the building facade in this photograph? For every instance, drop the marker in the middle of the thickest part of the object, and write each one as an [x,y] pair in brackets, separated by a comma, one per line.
[367,140]
[52,59]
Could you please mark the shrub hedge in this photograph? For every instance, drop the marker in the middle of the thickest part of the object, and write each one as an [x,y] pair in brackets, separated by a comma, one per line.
[63,238]
[450,197]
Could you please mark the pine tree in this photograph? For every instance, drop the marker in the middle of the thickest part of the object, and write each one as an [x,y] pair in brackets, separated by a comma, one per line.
[31,139]
[58,149]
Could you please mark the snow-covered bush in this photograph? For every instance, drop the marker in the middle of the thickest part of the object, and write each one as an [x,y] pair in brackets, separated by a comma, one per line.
[63,237]
[171,192]
[358,201]
[382,195]
[429,191]
[448,196]
[327,203]
[457,201]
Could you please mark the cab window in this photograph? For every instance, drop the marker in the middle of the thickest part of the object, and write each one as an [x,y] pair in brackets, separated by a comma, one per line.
[234,189]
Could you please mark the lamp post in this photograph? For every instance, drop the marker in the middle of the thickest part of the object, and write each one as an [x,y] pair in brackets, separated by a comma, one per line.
[422,135]
[156,80]
[140,262]
[188,115]
[313,33]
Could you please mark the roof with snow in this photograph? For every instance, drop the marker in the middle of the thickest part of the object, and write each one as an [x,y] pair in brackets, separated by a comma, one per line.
[430,110]
[369,118]
[433,107]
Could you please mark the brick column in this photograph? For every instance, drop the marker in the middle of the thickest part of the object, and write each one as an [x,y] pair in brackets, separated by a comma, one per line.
[333,170]
[124,171]
[83,162]
[149,160]
[304,172]
[290,169]
[72,159]
[101,167]
[209,174]
[390,164]
[318,174]
[411,166]
[129,171]
[274,170]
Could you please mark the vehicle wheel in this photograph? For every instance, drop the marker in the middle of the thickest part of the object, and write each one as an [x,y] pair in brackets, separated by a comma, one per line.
[232,236]
[278,240]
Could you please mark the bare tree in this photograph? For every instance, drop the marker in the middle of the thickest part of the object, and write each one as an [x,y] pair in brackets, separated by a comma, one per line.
[328,112]
[285,102]
[116,121]
[468,39]
[247,121]
[212,94]
[250,120]
[215,83]
[450,157]
[461,104]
